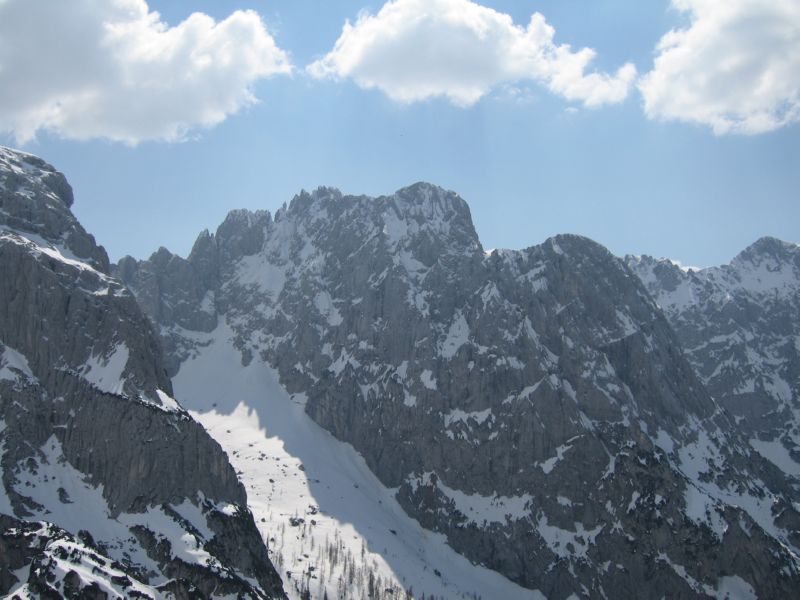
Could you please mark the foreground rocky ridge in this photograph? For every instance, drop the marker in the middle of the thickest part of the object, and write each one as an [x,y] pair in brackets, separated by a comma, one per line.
[534,406]
[108,486]
[740,326]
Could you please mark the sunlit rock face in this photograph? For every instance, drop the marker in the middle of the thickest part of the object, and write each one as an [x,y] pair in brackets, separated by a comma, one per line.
[533,406]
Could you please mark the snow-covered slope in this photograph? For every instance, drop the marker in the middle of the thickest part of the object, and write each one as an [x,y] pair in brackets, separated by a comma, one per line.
[108,486]
[532,406]
[333,527]
[740,327]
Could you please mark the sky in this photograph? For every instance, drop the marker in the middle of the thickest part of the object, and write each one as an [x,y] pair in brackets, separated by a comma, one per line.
[666,127]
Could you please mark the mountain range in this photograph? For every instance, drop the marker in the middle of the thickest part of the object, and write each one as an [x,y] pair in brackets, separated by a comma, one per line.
[354,398]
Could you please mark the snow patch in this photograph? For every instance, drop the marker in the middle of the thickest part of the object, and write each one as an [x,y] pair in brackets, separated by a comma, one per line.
[479,509]
[565,543]
[427,379]
[664,441]
[634,501]
[168,402]
[735,588]
[548,465]
[459,416]
[627,324]
[457,336]
[701,509]
[777,454]
[105,372]
[12,364]
[325,306]
[257,270]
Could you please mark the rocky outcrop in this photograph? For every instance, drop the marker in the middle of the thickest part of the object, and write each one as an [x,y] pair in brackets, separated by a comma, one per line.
[534,406]
[740,326]
[36,199]
[92,445]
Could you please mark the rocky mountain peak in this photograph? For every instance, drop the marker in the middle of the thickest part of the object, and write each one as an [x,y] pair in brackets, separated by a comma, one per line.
[432,201]
[23,169]
[36,199]
[770,253]
[306,203]
[162,255]
[575,246]
[662,271]
[418,208]
[242,232]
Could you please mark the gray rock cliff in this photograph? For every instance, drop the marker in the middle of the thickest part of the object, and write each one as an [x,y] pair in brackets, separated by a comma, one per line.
[740,326]
[534,406]
[102,471]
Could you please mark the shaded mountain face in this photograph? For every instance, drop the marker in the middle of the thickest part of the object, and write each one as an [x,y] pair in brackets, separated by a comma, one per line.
[740,327]
[108,486]
[533,406]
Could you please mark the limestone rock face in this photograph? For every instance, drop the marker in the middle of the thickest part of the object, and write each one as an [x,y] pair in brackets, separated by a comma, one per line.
[102,471]
[534,406]
[740,326]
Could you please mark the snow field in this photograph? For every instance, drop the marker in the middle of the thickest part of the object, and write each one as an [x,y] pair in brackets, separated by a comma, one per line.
[331,527]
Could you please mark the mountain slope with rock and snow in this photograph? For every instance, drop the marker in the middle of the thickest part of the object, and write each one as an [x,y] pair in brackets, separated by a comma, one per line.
[740,326]
[109,487]
[532,407]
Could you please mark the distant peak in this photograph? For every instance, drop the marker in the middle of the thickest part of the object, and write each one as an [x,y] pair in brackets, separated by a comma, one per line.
[423,187]
[769,247]
[772,244]
[243,216]
[423,192]
[304,201]
[431,202]
[571,243]
[418,201]
[162,255]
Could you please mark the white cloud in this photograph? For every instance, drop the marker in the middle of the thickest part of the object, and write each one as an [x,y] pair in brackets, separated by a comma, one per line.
[417,49]
[111,69]
[735,68]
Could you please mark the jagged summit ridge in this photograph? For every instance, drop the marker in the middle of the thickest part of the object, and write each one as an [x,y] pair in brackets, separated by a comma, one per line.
[422,199]
[532,405]
[417,207]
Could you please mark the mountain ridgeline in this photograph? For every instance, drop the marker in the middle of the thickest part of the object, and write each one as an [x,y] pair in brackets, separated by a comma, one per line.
[536,407]
[109,488]
[740,328]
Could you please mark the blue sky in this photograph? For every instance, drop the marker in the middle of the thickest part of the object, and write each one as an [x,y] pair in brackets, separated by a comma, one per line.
[694,169]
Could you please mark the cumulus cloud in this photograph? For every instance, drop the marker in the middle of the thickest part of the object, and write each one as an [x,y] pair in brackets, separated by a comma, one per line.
[735,68]
[417,49]
[111,69]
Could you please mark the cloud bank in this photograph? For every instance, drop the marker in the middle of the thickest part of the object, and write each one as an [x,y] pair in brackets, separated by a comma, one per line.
[735,68]
[413,50]
[111,69]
